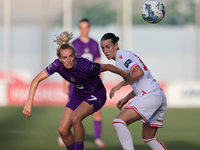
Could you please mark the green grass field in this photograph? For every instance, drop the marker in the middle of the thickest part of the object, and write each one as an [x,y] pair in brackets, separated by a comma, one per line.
[181,130]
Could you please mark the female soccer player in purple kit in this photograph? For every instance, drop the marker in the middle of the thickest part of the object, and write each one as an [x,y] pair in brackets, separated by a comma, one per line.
[88,48]
[88,96]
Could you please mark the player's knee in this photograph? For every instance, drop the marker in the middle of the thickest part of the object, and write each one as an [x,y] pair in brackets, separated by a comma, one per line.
[117,122]
[75,119]
[63,131]
[60,129]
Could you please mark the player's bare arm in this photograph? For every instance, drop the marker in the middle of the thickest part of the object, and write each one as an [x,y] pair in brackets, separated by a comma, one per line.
[136,74]
[116,88]
[123,101]
[112,68]
[29,104]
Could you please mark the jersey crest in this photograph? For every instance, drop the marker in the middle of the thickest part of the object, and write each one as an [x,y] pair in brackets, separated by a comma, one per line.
[72,79]
[126,64]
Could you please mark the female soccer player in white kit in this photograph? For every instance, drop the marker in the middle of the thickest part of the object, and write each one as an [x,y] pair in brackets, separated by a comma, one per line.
[149,101]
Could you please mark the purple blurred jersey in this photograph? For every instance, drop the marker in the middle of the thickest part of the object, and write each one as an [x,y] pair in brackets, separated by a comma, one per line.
[84,76]
[89,50]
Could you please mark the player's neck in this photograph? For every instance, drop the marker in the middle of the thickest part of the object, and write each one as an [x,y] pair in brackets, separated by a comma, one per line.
[85,39]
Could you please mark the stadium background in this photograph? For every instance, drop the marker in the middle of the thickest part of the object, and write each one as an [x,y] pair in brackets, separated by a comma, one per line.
[171,49]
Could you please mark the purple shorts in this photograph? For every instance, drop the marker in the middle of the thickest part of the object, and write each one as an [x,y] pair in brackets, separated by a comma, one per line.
[98,99]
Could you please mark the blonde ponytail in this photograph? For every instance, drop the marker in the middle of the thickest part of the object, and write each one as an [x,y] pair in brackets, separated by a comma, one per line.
[62,41]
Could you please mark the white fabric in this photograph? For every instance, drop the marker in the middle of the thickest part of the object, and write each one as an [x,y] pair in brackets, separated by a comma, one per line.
[151,107]
[154,144]
[123,134]
[127,60]
[150,101]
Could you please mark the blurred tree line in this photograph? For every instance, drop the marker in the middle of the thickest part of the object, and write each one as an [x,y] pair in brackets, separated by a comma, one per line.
[178,12]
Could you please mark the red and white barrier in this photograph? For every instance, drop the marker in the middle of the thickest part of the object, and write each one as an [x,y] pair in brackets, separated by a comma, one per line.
[51,94]
[179,94]
[47,94]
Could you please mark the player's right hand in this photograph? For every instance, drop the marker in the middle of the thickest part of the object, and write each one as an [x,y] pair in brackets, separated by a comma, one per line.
[120,104]
[27,109]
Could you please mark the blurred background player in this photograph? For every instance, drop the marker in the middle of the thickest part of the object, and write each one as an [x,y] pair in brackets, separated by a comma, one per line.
[88,48]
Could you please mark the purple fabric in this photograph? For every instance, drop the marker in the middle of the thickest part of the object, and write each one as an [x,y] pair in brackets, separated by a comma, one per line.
[84,76]
[71,86]
[98,99]
[97,129]
[89,50]
[70,147]
[79,145]
[90,47]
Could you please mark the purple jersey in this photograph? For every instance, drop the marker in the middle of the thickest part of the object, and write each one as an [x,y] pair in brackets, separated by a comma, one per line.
[89,50]
[84,76]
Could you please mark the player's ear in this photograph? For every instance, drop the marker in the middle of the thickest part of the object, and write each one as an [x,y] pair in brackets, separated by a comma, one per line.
[116,45]
[59,59]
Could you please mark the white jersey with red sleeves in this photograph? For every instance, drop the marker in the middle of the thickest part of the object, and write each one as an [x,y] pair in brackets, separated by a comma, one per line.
[127,60]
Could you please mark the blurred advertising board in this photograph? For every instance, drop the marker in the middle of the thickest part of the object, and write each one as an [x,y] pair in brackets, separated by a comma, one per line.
[47,94]
[183,94]
[52,94]
[3,93]
[15,92]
